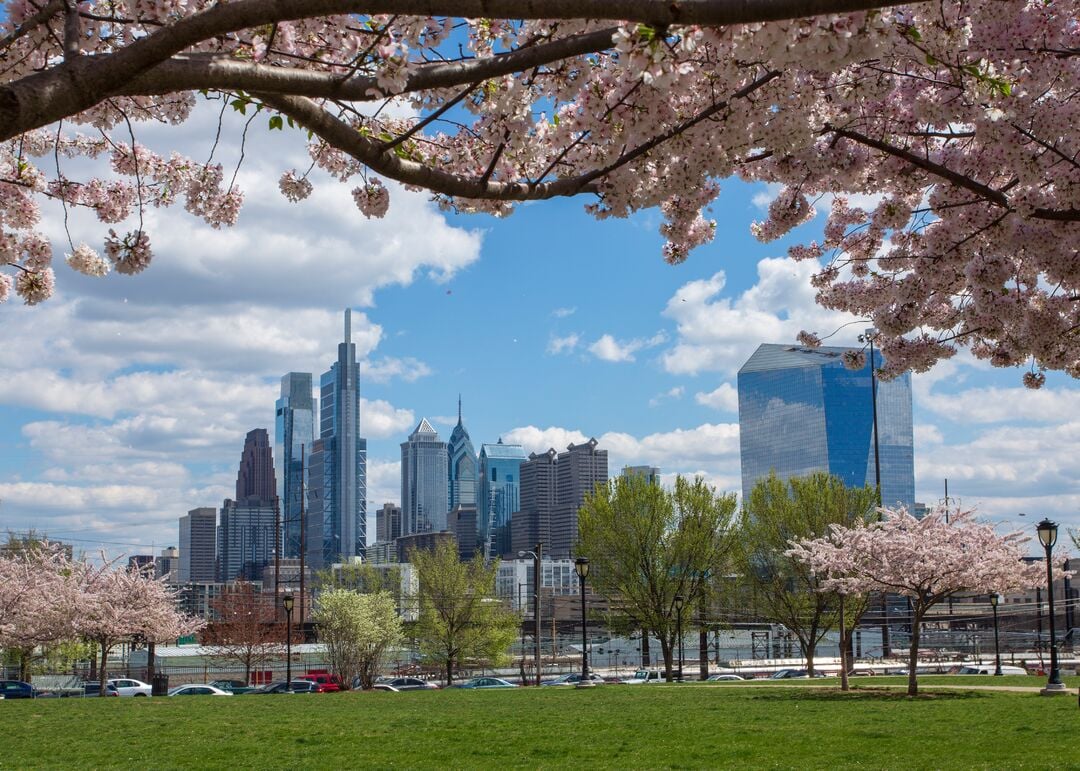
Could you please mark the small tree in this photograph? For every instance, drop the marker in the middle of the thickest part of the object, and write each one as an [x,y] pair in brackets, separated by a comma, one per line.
[786,589]
[246,629]
[459,616]
[647,545]
[117,605]
[358,630]
[927,560]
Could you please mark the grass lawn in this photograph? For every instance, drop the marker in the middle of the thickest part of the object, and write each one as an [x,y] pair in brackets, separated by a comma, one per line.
[610,726]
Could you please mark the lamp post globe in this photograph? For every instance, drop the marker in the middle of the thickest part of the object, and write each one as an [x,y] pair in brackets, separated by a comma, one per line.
[287,603]
[1048,532]
[679,602]
[581,565]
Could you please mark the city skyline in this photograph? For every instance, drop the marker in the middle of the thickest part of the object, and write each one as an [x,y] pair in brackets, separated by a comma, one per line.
[123,401]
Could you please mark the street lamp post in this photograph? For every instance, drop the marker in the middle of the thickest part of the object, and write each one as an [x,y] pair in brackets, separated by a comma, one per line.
[994,600]
[679,600]
[1048,537]
[581,564]
[869,336]
[536,601]
[287,603]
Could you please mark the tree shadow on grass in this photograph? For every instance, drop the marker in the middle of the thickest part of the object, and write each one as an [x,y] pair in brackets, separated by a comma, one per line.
[863,694]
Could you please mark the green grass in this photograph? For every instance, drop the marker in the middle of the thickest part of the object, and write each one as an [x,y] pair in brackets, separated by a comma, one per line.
[612,726]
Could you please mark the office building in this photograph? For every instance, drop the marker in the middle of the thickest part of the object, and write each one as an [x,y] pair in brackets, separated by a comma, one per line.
[255,479]
[248,528]
[144,563]
[650,474]
[294,433]
[463,526]
[423,481]
[387,523]
[531,524]
[198,546]
[461,472]
[801,410]
[429,541]
[498,493]
[167,566]
[578,471]
[336,523]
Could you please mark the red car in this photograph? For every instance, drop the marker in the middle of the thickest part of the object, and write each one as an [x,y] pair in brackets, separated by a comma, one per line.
[324,682]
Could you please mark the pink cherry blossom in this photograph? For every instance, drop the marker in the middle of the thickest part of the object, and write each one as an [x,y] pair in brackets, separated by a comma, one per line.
[88,262]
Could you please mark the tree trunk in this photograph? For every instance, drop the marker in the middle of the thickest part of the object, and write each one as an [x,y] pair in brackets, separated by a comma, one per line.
[843,648]
[645,657]
[103,672]
[449,669]
[151,665]
[25,655]
[809,648]
[703,653]
[913,654]
[666,649]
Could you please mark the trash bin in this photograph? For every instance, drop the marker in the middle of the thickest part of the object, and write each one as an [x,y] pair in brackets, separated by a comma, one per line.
[160,685]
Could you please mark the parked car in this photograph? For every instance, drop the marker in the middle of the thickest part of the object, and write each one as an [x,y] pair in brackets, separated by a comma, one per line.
[94,689]
[793,674]
[197,689]
[484,682]
[724,678]
[16,689]
[296,686]
[128,687]
[408,684]
[384,687]
[324,683]
[235,687]
[645,676]
[574,678]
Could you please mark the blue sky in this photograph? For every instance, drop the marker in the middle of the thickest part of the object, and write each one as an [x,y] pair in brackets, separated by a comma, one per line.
[124,401]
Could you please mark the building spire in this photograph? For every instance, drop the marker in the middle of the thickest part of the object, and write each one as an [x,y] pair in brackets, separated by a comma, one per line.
[459,409]
[348,326]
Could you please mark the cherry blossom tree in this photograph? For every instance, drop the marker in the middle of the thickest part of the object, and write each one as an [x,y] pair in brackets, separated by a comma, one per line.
[32,610]
[927,560]
[112,606]
[941,137]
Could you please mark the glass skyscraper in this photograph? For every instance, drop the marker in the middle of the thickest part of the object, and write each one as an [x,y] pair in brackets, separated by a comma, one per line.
[801,410]
[294,432]
[498,493]
[337,494]
[424,482]
[461,471]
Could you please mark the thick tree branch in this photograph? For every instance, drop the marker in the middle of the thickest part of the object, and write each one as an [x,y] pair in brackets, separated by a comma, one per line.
[76,85]
[214,71]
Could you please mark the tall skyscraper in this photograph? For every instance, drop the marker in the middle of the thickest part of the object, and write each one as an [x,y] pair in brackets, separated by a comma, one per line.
[650,474]
[498,495]
[577,472]
[461,474]
[294,433]
[424,469]
[198,546]
[248,527]
[255,480]
[168,565]
[337,524]
[531,524]
[801,410]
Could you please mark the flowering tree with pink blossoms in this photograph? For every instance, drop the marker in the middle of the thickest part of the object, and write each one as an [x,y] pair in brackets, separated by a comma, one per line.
[926,560]
[941,137]
[122,605]
[32,607]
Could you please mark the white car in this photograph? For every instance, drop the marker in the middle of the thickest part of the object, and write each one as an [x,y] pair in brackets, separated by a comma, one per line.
[645,676]
[128,687]
[196,689]
[724,678]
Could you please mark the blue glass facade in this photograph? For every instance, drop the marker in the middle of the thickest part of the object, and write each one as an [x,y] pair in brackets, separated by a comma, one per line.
[461,467]
[801,410]
[294,432]
[423,482]
[340,500]
[498,495]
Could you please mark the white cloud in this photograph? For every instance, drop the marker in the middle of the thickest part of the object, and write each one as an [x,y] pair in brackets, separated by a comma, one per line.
[386,369]
[562,313]
[670,394]
[717,333]
[1003,405]
[725,398]
[380,419]
[607,348]
[557,345]
[533,439]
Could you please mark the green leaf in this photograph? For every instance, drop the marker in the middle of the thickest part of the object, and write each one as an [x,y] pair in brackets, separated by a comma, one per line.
[276,122]
[240,106]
